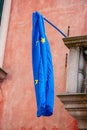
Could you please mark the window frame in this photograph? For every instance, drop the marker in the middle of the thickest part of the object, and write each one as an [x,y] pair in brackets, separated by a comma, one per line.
[4,28]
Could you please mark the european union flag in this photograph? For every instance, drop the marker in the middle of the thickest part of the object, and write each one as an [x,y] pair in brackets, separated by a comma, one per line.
[42,67]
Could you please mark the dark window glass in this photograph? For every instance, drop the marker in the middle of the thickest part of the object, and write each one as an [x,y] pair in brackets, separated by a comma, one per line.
[1,8]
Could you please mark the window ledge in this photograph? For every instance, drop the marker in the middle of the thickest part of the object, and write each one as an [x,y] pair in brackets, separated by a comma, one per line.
[3,74]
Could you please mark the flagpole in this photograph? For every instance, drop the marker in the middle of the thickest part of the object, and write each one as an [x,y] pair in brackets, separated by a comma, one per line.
[55,27]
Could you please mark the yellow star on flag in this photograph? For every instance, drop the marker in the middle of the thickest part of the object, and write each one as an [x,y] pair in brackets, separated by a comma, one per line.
[43,40]
[36,81]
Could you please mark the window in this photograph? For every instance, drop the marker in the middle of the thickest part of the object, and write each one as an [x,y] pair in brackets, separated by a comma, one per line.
[5,6]
[1,8]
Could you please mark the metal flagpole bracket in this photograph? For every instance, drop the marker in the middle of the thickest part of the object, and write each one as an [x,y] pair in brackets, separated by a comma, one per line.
[61,32]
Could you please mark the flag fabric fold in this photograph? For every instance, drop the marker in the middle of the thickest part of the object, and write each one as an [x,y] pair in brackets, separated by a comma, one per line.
[42,67]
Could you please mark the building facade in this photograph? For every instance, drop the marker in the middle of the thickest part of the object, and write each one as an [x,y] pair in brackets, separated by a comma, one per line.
[17,96]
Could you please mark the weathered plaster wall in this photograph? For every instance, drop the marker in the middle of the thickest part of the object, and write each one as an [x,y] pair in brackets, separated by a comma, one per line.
[18,105]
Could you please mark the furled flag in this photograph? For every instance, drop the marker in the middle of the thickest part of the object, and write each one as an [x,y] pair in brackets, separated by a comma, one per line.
[42,67]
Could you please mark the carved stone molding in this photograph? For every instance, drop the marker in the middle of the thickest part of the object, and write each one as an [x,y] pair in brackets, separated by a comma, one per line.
[77,41]
[75,100]
[76,105]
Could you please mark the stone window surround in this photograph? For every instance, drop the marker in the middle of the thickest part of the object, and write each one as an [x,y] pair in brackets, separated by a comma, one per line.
[76,62]
[4,28]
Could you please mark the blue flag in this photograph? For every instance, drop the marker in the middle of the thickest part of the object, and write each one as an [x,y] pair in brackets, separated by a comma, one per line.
[42,67]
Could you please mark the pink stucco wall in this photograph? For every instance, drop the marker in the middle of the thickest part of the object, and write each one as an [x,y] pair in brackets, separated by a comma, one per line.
[18,104]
